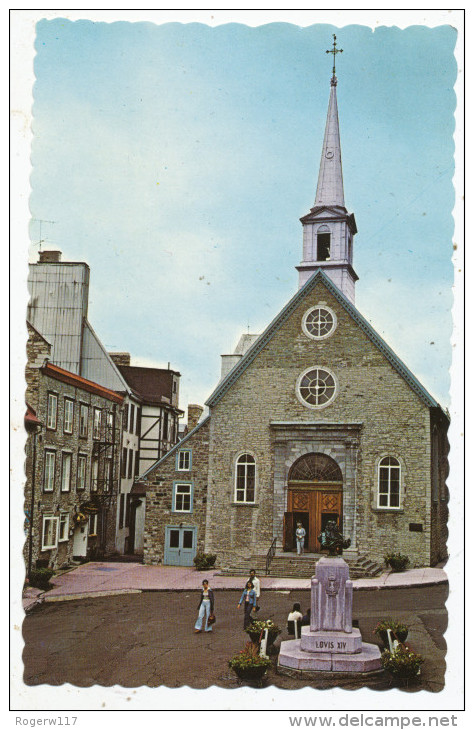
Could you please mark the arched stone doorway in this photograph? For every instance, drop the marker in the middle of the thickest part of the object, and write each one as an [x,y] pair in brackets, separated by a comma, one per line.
[314,497]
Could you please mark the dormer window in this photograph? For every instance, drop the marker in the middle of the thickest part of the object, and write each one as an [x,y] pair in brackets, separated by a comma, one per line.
[323,244]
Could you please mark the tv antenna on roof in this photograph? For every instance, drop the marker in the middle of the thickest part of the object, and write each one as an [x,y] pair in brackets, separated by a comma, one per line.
[41,240]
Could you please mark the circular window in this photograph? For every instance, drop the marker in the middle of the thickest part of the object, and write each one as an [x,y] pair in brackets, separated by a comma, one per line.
[316,387]
[319,322]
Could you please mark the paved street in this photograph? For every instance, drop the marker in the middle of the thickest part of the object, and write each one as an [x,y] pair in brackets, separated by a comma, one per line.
[147,638]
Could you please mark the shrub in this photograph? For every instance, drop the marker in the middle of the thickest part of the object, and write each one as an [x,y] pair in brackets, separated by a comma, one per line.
[403,662]
[399,630]
[397,562]
[40,577]
[248,664]
[204,561]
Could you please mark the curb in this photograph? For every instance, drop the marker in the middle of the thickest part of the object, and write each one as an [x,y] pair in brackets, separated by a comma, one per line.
[92,594]
[129,591]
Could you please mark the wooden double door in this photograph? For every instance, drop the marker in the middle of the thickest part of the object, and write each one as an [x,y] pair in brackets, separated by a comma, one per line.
[313,506]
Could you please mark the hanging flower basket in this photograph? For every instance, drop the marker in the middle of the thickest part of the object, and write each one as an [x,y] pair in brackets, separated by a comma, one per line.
[80,518]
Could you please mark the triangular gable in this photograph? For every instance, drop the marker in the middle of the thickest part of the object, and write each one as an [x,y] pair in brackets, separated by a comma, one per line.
[282,317]
[175,448]
[327,212]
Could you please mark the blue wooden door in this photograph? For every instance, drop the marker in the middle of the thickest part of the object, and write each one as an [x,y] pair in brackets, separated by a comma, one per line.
[180,545]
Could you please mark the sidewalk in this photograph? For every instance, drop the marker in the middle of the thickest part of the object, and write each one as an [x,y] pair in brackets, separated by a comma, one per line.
[109,579]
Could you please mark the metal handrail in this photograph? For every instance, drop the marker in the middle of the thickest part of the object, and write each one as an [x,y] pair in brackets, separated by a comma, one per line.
[270,556]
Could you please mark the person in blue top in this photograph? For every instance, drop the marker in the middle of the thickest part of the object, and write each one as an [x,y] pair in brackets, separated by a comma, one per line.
[248,598]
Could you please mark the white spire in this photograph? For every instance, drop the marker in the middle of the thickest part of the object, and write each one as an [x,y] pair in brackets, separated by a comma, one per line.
[330,190]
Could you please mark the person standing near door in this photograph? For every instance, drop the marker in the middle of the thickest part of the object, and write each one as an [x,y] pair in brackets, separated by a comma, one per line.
[205,608]
[300,536]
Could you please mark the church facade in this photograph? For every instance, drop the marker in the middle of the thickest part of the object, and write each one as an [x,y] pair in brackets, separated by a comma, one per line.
[316,419]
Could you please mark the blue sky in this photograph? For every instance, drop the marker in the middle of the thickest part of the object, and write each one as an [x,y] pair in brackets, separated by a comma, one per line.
[177,160]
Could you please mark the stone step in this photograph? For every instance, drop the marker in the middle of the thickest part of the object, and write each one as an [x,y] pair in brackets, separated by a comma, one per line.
[287,566]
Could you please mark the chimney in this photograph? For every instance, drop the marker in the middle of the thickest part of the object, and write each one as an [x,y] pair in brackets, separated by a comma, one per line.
[49,257]
[194,414]
[120,358]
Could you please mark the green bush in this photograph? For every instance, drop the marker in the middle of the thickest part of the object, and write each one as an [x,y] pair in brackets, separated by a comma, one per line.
[40,577]
[204,561]
[397,562]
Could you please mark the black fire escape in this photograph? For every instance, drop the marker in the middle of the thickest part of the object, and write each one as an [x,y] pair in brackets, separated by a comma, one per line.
[105,483]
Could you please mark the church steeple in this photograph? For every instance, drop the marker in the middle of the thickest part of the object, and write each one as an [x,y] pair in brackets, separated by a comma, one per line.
[330,190]
[328,229]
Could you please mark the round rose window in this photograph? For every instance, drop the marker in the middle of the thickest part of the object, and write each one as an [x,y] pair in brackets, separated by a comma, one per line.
[316,387]
[319,322]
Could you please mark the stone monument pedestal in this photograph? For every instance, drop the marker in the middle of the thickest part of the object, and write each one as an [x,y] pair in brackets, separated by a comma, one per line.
[330,644]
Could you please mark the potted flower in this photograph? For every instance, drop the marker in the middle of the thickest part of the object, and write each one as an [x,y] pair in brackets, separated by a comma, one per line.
[397,562]
[256,630]
[248,664]
[402,663]
[399,630]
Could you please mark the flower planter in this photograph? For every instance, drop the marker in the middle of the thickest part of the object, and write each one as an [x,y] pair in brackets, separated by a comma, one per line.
[403,663]
[255,637]
[251,672]
[256,631]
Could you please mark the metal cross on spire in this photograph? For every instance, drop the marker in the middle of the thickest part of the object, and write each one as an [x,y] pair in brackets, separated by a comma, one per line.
[334,51]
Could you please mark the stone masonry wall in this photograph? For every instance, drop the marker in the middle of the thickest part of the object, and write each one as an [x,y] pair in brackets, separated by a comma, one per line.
[159,496]
[394,422]
[56,502]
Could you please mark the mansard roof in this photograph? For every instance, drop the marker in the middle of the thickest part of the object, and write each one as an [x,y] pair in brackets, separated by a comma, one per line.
[320,277]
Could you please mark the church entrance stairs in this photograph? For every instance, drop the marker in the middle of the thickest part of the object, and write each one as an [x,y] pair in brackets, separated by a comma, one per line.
[291,565]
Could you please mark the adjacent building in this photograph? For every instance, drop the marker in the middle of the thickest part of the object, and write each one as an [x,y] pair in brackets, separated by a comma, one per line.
[315,419]
[72,462]
[150,430]
[146,421]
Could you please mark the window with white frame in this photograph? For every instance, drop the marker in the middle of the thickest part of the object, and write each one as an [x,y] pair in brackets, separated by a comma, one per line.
[110,424]
[319,322]
[389,483]
[49,537]
[94,475]
[81,472]
[182,498]
[316,387]
[66,463]
[97,422]
[52,417]
[92,525]
[49,467]
[68,415]
[63,527]
[108,475]
[83,420]
[245,479]
[184,460]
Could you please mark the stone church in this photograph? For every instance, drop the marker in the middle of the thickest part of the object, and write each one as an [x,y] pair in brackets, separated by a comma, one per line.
[315,419]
